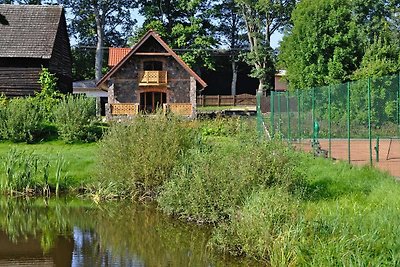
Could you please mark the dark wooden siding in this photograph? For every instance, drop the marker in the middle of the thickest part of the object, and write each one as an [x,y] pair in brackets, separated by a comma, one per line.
[61,59]
[19,81]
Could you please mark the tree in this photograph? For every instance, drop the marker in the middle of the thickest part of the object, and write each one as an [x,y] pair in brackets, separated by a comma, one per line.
[184,24]
[322,50]
[262,19]
[100,22]
[230,33]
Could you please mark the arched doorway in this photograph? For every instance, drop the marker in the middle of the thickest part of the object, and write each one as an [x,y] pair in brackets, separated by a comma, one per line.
[150,101]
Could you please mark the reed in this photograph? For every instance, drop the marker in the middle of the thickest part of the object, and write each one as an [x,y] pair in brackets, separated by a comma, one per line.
[26,173]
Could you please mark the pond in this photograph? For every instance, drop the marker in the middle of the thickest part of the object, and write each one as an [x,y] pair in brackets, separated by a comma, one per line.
[76,232]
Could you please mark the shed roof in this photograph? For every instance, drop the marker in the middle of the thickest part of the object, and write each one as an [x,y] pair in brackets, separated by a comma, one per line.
[31,31]
[152,34]
[116,54]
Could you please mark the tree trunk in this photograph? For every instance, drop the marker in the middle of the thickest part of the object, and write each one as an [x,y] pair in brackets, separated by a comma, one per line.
[99,48]
[261,85]
[234,77]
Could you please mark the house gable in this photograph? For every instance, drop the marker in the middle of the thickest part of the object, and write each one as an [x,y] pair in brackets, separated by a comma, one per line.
[140,49]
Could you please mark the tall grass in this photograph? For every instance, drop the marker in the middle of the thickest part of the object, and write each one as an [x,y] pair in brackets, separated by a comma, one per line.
[138,156]
[347,216]
[25,173]
[209,184]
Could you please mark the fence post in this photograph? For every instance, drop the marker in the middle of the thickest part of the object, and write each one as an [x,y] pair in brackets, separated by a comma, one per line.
[279,114]
[272,114]
[288,115]
[369,121]
[259,118]
[219,100]
[234,100]
[203,101]
[299,114]
[398,105]
[348,121]
[313,111]
[330,121]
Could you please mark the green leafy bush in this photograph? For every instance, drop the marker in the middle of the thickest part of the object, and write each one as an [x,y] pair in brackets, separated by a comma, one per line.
[75,117]
[208,185]
[138,156]
[22,120]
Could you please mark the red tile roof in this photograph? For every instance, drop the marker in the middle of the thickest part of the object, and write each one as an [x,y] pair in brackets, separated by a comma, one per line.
[116,55]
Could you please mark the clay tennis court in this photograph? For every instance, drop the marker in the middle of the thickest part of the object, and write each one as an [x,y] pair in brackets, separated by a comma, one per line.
[389,159]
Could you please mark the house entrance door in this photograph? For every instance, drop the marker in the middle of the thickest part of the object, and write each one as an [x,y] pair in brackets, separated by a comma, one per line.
[150,101]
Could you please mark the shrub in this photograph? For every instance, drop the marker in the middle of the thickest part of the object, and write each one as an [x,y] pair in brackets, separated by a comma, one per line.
[208,185]
[22,120]
[138,156]
[74,117]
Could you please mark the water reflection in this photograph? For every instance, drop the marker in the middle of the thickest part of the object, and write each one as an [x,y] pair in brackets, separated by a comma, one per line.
[73,232]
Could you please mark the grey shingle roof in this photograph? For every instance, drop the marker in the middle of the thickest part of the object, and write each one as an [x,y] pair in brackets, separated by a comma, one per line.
[31,31]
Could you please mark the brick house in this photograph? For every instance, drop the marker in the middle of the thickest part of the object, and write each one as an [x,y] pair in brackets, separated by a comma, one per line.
[149,76]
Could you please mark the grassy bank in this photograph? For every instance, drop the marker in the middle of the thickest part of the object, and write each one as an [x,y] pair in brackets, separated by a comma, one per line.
[264,199]
[74,164]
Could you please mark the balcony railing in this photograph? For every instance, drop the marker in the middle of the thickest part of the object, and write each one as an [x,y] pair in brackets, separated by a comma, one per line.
[152,78]
[124,109]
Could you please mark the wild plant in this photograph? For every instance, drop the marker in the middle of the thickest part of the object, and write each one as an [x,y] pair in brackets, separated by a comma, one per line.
[23,120]
[74,117]
[27,173]
[140,155]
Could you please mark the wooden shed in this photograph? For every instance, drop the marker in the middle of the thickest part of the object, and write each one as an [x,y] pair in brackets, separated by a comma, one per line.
[150,76]
[36,37]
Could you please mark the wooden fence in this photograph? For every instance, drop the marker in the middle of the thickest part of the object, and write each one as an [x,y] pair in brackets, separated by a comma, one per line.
[226,100]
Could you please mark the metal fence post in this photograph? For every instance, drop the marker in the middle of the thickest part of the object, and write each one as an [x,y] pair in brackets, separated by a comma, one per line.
[313,111]
[398,105]
[348,121]
[259,118]
[369,121]
[288,115]
[299,115]
[272,114]
[329,122]
[279,114]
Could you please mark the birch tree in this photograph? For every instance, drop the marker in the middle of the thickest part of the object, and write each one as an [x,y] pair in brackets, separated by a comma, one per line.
[263,18]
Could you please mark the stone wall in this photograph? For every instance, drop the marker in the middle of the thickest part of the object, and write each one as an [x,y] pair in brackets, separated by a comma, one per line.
[125,80]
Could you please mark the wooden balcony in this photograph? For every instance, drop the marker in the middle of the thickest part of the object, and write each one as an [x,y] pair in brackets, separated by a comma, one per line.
[153,78]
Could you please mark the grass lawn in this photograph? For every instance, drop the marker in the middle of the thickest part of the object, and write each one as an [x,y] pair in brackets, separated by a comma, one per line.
[80,159]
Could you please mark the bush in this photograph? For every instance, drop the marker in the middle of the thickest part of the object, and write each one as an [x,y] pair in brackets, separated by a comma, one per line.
[139,155]
[207,186]
[22,120]
[74,118]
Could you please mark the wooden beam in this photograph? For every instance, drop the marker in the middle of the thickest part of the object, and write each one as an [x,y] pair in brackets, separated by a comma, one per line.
[151,54]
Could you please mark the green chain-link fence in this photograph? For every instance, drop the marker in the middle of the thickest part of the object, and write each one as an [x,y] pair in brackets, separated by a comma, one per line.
[365,110]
